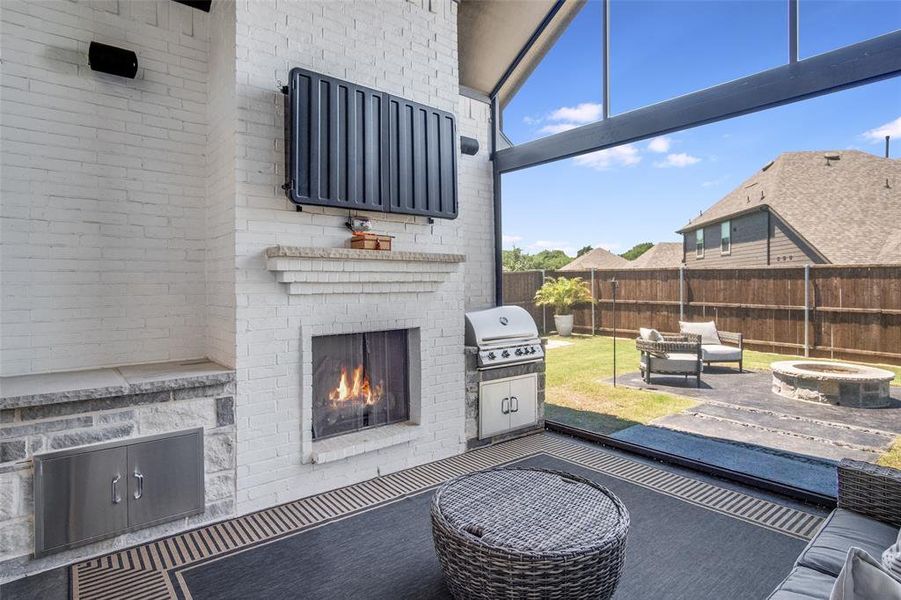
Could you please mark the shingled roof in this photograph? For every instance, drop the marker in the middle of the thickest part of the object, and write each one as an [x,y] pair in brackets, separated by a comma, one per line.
[844,203]
[659,256]
[597,259]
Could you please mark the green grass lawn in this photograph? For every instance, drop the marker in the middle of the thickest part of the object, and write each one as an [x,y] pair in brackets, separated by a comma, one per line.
[578,395]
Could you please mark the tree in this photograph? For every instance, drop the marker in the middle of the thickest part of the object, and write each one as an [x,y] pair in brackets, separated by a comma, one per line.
[584,250]
[550,260]
[637,250]
[516,260]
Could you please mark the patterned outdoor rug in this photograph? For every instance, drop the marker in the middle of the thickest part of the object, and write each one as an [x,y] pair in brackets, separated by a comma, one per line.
[198,564]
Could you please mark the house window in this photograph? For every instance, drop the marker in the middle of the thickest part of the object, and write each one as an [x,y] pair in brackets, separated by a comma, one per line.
[726,238]
[699,243]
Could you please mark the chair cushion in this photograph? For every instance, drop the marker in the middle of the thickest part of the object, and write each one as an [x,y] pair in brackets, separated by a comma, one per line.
[843,529]
[891,558]
[804,584]
[674,362]
[707,331]
[651,335]
[863,578]
[717,352]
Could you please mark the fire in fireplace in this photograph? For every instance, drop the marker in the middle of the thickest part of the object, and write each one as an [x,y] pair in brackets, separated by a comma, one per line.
[360,380]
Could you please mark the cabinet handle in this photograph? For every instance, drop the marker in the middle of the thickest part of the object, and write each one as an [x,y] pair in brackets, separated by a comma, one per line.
[140,491]
[117,498]
[514,404]
[505,406]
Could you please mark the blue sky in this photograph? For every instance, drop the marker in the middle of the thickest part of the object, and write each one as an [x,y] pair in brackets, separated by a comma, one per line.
[659,50]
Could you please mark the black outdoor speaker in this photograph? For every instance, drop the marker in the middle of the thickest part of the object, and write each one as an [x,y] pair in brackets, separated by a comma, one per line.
[109,59]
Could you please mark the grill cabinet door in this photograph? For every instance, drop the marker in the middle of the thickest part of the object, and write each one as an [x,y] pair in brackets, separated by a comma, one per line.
[165,479]
[335,140]
[79,497]
[494,415]
[523,401]
[422,160]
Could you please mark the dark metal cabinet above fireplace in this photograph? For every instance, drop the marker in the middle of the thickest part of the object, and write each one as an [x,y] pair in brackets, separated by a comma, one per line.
[353,147]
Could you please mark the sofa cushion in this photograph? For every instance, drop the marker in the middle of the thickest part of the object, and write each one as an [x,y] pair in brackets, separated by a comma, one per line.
[651,335]
[707,331]
[804,584]
[719,352]
[891,558]
[843,529]
[674,361]
[863,578]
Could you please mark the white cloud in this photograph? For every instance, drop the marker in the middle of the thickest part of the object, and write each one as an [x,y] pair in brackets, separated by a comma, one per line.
[660,144]
[603,159]
[531,120]
[678,159]
[892,128]
[540,245]
[511,240]
[587,112]
[558,127]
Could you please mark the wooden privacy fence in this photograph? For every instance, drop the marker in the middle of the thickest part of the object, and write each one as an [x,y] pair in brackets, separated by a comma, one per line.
[828,311]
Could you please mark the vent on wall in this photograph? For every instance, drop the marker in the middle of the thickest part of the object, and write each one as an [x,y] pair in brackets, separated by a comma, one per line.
[352,147]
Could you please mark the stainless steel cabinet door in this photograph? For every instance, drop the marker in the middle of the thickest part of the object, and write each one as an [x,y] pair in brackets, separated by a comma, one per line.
[80,497]
[494,408]
[523,401]
[165,479]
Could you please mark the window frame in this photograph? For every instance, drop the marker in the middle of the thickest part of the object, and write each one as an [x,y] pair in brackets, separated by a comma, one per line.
[699,242]
[727,227]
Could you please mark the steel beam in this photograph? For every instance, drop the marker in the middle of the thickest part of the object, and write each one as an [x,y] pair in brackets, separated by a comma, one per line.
[858,64]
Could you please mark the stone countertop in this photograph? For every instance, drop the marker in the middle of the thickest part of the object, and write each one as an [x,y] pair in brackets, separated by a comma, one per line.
[355,254]
[72,386]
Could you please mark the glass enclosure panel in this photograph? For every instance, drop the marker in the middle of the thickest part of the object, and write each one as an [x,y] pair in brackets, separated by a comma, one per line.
[826,25]
[564,91]
[803,160]
[660,49]
[360,380]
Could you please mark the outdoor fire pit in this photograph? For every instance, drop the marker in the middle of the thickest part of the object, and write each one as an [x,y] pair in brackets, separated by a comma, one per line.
[836,383]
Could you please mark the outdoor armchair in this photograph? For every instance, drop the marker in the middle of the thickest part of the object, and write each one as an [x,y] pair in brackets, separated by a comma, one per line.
[669,354]
[716,346]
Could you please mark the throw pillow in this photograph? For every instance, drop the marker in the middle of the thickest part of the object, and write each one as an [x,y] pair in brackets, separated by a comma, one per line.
[707,331]
[891,559]
[863,578]
[651,335]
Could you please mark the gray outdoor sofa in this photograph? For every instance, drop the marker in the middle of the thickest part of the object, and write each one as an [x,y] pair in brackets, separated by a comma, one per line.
[868,517]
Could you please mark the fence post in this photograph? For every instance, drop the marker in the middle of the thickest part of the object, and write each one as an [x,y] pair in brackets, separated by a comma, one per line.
[594,300]
[682,292]
[806,310]
[543,309]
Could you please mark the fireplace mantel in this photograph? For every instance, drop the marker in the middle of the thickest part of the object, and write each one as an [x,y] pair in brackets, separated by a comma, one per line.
[311,271]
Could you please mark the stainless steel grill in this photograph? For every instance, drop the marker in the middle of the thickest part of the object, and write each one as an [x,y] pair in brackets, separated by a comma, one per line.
[505,335]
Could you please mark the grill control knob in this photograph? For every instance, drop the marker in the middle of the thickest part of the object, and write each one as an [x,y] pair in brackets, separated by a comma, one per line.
[505,354]
[519,352]
[491,356]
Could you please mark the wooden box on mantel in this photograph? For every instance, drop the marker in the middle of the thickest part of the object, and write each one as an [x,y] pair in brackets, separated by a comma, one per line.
[370,241]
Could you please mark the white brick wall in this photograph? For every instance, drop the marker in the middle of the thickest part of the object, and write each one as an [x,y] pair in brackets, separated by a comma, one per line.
[404,48]
[220,187]
[103,186]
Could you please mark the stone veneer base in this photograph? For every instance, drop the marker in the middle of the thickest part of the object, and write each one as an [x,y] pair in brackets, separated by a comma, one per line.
[474,377]
[45,413]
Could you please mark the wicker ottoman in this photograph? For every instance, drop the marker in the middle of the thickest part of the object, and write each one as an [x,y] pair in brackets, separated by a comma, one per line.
[528,533]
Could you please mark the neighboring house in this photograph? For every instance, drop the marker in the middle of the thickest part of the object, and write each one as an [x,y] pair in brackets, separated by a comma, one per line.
[597,259]
[840,207]
[659,256]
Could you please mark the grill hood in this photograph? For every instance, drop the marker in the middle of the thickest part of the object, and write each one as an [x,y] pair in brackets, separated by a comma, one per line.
[499,326]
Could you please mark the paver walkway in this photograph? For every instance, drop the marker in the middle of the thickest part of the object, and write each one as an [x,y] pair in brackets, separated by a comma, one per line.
[740,423]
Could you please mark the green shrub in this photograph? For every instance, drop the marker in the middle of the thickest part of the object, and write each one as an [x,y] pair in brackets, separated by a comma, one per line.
[563,293]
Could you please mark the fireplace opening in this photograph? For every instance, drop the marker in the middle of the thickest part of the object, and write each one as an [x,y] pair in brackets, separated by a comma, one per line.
[360,380]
